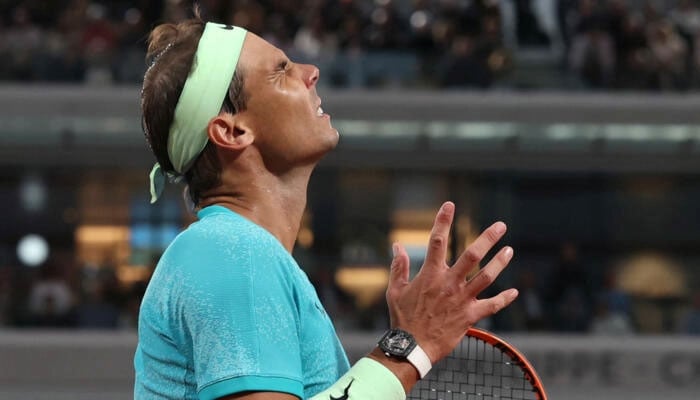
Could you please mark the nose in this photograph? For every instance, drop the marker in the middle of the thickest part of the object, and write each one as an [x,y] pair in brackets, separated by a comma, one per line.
[311,74]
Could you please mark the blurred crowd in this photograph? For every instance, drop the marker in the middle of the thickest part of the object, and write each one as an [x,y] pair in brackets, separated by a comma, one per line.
[567,297]
[605,44]
[651,46]
[630,44]
[355,43]
[60,294]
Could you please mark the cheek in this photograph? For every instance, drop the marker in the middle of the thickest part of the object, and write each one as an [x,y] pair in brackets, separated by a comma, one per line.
[284,115]
[281,109]
[267,117]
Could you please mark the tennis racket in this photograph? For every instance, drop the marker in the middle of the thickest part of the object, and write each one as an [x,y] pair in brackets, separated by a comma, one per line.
[482,367]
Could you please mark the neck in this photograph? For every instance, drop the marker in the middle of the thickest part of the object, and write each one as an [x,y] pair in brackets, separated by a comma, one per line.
[275,203]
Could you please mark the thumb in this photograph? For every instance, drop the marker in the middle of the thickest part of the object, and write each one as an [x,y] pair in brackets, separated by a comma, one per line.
[399,273]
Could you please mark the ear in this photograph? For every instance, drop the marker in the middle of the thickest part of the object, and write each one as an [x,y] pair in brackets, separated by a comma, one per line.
[229,131]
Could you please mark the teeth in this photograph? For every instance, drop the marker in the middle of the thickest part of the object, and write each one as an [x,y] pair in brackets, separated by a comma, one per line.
[319,111]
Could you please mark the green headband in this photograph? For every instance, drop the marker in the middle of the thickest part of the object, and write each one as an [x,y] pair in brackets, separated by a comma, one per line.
[201,98]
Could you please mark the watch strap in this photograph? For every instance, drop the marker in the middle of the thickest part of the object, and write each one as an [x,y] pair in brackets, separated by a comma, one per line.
[420,361]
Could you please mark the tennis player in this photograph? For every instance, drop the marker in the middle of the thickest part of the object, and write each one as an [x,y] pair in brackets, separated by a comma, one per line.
[228,313]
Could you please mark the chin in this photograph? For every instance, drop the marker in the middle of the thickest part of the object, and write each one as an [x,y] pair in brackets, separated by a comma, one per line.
[328,146]
[336,137]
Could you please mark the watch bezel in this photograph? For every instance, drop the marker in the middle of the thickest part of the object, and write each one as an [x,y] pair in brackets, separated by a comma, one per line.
[385,343]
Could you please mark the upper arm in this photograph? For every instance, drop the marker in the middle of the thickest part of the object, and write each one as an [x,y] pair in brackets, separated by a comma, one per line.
[260,396]
[240,317]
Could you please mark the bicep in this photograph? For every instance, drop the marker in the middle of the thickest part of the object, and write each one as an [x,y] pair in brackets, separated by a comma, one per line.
[260,396]
[244,339]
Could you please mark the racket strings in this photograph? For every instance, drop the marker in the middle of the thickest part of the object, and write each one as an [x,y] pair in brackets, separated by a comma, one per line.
[475,370]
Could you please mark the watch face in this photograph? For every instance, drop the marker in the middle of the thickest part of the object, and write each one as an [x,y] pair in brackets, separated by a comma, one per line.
[397,343]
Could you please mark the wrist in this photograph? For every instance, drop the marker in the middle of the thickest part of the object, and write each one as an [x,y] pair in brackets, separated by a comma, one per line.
[404,371]
[420,360]
[401,345]
[367,379]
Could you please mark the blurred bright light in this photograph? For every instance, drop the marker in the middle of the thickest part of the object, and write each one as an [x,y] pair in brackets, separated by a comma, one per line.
[32,250]
[652,275]
[419,20]
[366,283]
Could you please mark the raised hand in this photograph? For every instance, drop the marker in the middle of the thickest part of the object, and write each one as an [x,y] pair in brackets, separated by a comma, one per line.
[439,304]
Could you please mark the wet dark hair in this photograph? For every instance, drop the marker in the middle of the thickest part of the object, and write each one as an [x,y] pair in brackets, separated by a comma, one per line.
[171,50]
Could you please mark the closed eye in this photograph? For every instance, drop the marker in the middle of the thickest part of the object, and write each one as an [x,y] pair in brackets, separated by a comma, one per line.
[282,66]
[280,71]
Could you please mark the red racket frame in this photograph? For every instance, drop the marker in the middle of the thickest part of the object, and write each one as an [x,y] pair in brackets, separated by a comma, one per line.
[515,355]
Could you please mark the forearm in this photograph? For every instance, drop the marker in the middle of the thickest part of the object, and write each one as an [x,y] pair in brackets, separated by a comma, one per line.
[374,377]
[406,373]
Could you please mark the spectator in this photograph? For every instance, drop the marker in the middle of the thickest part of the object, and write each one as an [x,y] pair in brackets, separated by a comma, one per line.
[349,69]
[314,43]
[421,20]
[21,42]
[491,48]
[531,302]
[387,30]
[96,311]
[176,11]
[566,11]
[609,322]
[279,33]
[50,298]
[529,30]
[669,54]
[248,14]
[686,17]
[128,65]
[616,300]
[635,60]
[570,292]
[462,68]
[99,42]
[592,57]
[61,59]
[613,309]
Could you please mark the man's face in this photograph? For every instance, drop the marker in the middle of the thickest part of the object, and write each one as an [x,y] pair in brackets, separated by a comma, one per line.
[283,109]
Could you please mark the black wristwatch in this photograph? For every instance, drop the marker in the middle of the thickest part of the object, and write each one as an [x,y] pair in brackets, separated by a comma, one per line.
[401,344]
[397,343]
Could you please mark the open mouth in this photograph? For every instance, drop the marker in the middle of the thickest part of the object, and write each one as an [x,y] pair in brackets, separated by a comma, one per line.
[319,111]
